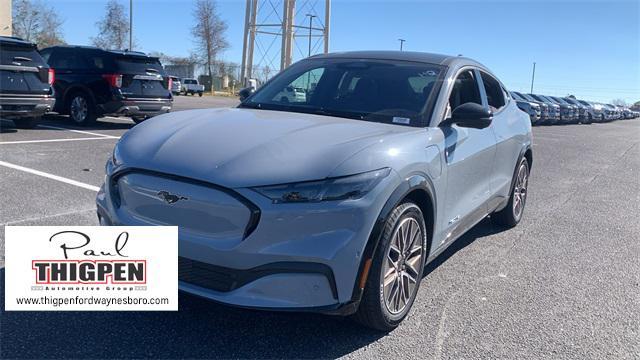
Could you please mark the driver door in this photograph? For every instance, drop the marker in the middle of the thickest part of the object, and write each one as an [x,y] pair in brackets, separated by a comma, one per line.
[469,157]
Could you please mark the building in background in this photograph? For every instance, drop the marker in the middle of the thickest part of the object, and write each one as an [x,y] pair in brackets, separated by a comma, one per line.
[180,70]
[5,18]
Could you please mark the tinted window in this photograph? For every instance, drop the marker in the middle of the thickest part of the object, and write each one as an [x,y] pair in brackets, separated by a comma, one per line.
[189,81]
[465,89]
[495,97]
[516,96]
[383,91]
[66,59]
[528,97]
[20,55]
[138,64]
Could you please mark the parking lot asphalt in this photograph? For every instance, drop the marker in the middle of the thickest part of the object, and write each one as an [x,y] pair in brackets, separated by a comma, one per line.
[564,284]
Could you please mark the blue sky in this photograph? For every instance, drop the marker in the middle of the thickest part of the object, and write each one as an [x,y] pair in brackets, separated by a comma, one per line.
[587,48]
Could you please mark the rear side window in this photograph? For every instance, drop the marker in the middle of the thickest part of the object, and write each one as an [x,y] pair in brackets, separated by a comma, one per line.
[20,55]
[66,59]
[495,96]
[139,64]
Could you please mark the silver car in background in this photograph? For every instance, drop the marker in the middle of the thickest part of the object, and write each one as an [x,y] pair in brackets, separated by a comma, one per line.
[175,85]
[335,201]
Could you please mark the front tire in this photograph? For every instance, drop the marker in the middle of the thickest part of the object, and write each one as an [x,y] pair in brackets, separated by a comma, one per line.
[511,215]
[396,270]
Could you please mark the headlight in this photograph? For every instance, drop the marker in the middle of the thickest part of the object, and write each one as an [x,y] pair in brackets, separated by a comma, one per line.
[340,188]
[115,157]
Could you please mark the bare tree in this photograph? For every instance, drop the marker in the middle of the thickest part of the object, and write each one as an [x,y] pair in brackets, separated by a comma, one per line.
[619,102]
[209,33]
[38,22]
[51,33]
[113,29]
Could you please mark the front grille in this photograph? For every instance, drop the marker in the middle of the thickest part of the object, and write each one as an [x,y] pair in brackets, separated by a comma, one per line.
[200,209]
[206,275]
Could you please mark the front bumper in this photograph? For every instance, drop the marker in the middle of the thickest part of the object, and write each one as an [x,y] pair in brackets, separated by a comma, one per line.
[18,106]
[137,107]
[302,257]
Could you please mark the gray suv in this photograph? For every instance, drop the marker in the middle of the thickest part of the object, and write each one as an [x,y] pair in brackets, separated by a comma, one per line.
[336,201]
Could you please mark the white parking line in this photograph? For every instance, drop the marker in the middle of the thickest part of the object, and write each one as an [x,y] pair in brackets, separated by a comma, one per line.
[78,131]
[50,176]
[55,140]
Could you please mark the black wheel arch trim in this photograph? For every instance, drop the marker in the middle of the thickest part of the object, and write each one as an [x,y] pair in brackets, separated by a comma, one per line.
[410,184]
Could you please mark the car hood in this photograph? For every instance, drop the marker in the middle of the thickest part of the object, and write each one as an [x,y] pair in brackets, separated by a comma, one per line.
[246,147]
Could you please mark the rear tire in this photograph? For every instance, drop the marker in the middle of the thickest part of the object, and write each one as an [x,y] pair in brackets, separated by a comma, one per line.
[26,123]
[511,215]
[397,265]
[200,94]
[81,109]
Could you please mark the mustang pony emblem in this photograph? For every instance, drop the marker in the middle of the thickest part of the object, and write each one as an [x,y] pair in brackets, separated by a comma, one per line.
[170,198]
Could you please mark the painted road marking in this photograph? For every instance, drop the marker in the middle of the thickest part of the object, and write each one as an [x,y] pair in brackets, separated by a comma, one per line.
[50,176]
[56,140]
[78,131]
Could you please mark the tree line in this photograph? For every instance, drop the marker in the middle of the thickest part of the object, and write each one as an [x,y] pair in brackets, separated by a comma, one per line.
[37,21]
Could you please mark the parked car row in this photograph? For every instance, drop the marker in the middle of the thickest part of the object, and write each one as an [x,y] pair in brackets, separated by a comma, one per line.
[544,109]
[80,81]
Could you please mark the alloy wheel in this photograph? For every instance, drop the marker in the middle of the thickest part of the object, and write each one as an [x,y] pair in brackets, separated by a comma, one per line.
[79,109]
[401,265]
[520,191]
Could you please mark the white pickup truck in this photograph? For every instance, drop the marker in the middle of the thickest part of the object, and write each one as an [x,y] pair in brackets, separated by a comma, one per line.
[191,86]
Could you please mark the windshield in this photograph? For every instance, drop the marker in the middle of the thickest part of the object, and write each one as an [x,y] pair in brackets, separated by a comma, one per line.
[560,101]
[516,96]
[529,97]
[372,90]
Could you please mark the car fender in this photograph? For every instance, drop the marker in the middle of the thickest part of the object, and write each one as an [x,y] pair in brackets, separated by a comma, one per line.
[406,187]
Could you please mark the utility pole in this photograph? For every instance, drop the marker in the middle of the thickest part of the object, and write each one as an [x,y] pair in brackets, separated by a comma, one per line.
[130,25]
[310,28]
[401,43]
[533,76]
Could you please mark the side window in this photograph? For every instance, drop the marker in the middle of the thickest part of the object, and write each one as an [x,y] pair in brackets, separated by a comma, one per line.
[465,89]
[66,59]
[495,94]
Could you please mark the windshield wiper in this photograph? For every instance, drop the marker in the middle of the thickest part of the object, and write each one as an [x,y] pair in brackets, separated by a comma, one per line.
[338,113]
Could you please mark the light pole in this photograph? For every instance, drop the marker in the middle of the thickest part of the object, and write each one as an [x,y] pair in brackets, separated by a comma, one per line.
[130,25]
[401,43]
[310,28]
[533,76]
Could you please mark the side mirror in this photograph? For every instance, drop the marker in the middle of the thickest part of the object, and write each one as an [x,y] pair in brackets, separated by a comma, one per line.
[470,115]
[246,92]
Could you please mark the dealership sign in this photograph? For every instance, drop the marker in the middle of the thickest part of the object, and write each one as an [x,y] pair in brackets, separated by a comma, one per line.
[91,268]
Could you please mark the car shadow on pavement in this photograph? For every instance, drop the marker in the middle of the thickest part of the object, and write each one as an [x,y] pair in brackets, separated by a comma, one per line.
[484,228]
[100,124]
[200,329]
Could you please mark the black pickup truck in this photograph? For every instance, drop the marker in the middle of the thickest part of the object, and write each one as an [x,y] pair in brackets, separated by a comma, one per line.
[26,80]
